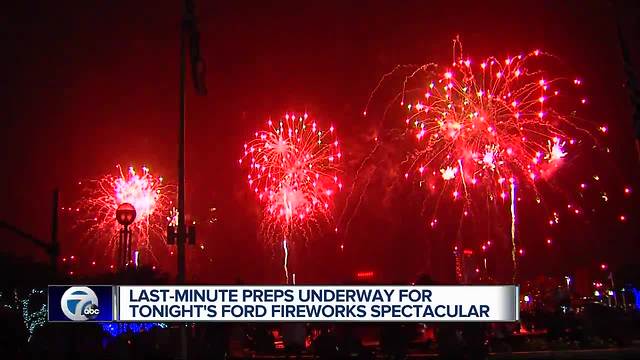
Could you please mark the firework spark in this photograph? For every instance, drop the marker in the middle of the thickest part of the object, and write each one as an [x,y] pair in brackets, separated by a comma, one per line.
[293,170]
[146,192]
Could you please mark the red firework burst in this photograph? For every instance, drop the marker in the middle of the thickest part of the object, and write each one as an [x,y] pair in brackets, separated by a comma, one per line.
[293,170]
[146,192]
[490,130]
[490,124]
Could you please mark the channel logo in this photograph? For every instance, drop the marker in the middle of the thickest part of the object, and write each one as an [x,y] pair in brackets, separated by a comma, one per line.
[80,303]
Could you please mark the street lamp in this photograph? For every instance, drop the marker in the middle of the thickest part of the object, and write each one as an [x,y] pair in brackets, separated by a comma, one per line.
[125,215]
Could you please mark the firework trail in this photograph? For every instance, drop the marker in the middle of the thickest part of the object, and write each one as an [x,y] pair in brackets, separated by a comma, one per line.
[293,170]
[513,231]
[374,165]
[149,196]
[346,213]
[479,128]
[286,260]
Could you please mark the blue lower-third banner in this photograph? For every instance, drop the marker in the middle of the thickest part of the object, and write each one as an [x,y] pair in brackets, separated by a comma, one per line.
[284,303]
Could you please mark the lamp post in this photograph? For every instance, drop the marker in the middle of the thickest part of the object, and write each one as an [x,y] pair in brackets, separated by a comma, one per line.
[189,37]
[125,215]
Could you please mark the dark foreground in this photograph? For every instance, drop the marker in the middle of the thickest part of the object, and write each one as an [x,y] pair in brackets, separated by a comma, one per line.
[616,353]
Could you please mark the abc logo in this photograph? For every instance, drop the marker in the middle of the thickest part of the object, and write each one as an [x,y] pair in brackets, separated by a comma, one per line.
[79,303]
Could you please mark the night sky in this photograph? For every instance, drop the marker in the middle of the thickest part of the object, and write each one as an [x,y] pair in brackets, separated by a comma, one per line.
[91,84]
